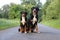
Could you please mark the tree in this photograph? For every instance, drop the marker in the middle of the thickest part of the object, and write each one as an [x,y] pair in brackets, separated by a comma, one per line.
[14,11]
[1,13]
[52,10]
[5,11]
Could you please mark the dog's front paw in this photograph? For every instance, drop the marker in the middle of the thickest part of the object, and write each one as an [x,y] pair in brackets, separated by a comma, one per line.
[25,32]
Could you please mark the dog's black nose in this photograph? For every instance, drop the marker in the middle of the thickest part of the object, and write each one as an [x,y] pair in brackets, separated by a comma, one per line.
[34,11]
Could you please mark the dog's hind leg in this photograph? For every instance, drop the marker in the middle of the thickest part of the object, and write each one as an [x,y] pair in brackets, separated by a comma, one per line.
[20,30]
[25,29]
[36,28]
[30,30]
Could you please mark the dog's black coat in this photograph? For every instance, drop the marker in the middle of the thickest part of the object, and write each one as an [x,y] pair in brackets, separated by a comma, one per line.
[24,24]
[25,19]
[21,25]
[30,24]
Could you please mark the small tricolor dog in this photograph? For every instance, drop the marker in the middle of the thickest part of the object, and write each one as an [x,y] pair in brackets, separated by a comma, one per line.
[23,22]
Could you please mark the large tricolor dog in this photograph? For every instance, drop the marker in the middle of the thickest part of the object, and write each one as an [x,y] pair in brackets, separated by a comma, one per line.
[33,19]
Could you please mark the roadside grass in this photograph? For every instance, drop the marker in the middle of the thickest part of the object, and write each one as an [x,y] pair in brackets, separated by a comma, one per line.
[52,23]
[7,23]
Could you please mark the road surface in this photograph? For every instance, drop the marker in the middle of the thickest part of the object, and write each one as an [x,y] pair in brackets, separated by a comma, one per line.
[46,33]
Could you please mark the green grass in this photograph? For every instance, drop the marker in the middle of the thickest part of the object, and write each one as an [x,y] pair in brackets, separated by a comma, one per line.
[6,23]
[52,23]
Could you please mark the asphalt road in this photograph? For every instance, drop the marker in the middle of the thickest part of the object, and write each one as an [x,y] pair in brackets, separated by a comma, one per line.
[45,33]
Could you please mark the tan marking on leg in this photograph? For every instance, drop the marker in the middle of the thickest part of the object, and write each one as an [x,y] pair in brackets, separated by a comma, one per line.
[36,28]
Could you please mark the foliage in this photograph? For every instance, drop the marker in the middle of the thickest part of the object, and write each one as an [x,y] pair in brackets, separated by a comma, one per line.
[51,10]
[51,13]
[12,11]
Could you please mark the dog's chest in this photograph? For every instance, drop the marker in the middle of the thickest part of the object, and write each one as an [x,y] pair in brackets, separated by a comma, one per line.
[34,19]
[23,20]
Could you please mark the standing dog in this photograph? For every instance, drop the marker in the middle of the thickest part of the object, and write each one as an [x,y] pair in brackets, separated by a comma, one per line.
[23,22]
[33,19]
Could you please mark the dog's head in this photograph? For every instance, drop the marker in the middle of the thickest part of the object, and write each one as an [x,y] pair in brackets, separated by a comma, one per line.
[23,13]
[34,10]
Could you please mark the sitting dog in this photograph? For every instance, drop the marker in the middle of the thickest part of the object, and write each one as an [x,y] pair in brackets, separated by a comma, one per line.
[23,22]
[33,19]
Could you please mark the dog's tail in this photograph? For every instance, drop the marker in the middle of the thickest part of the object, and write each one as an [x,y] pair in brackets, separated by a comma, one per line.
[19,30]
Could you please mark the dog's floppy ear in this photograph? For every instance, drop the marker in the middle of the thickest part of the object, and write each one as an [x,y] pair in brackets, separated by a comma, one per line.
[37,8]
[32,8]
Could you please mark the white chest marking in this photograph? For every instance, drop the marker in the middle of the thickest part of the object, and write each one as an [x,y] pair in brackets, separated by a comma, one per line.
[34,19]
[23,20]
